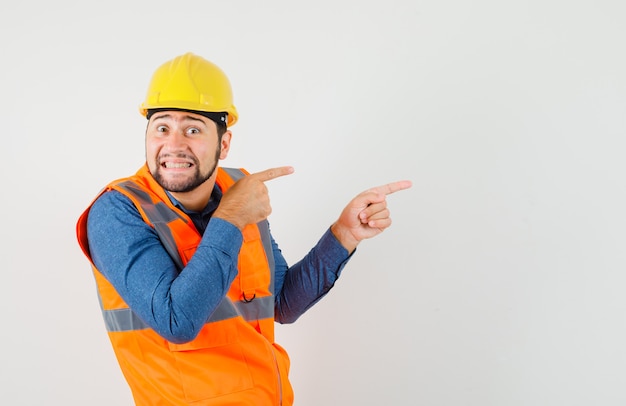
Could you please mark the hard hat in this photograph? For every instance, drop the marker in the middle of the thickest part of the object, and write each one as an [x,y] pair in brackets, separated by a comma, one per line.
[190,82]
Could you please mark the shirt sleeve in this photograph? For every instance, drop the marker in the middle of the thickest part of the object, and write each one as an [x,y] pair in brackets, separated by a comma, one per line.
[302,285]
[130,255]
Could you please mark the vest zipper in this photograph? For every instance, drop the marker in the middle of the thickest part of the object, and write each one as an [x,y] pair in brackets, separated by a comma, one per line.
[279,382]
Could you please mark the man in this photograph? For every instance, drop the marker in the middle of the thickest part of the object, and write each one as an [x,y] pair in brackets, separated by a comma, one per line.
[189,277]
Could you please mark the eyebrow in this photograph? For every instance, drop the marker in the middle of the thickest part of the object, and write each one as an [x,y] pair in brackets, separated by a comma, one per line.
[159,116]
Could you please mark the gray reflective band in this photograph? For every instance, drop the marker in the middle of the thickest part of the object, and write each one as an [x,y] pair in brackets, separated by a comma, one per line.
[259,308]
[264,229]
[159,215]
[234,173]
[120,320]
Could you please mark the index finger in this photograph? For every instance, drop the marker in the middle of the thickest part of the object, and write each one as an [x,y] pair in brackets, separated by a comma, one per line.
[273,173]
[393,187]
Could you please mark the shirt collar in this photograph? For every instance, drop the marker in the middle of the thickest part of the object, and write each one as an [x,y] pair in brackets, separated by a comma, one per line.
[216,196]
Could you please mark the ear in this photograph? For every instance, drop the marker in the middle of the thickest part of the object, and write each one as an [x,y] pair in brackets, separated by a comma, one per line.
[225,144]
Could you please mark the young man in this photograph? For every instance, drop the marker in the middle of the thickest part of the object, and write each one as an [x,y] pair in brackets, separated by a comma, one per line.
[189,277]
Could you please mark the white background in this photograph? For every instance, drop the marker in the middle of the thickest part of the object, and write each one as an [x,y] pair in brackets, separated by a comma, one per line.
[501,280]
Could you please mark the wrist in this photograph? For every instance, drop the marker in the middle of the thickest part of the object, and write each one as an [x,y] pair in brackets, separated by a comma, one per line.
[345,238]
[231,218]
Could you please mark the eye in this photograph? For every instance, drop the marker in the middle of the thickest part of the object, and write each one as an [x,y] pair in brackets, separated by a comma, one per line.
[193,130]
[161,129]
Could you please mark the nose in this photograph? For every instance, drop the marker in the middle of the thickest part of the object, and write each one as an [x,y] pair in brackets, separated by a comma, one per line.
[176,141]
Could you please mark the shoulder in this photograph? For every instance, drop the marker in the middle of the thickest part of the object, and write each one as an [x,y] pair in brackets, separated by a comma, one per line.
[114,222]
[112,207]
[109,200]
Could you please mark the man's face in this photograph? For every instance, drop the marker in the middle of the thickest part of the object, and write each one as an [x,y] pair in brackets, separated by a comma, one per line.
[183,149]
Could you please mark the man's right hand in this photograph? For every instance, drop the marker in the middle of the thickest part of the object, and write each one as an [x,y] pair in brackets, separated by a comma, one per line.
[248,201]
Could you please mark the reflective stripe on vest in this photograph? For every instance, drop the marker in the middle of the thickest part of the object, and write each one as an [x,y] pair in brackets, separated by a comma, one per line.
[119,320]
[159,214]
[264,228]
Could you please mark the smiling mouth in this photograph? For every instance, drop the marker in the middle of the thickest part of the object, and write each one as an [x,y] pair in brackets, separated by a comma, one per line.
[175,165]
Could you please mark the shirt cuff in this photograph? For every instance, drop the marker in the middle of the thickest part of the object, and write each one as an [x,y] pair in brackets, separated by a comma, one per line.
[331,250]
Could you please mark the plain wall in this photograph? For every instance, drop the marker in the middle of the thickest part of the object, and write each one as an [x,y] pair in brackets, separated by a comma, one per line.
[501,280]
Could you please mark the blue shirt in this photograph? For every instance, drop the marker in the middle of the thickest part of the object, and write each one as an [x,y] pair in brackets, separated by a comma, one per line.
[128,252]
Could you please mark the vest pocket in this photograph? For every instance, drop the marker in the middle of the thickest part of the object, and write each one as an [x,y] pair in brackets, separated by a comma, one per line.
[213,364]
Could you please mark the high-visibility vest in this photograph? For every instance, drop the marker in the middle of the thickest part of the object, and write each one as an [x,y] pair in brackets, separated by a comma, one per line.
[234,359]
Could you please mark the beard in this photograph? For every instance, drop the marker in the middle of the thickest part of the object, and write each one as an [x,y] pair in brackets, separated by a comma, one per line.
[189,183]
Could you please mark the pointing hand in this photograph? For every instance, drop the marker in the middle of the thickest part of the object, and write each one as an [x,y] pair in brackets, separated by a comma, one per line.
[366,215]
[247,201]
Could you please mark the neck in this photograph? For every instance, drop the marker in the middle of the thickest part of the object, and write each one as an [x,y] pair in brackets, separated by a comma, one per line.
[197,199]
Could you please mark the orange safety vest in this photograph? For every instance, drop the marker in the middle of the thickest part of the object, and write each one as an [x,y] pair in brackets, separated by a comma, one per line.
[234,359]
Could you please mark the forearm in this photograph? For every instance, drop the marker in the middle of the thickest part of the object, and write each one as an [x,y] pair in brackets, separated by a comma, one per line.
[310,279]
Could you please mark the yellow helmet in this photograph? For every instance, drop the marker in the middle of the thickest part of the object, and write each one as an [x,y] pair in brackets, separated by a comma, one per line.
[190,82]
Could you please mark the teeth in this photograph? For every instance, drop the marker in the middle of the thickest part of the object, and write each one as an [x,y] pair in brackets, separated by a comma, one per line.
[177,165]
